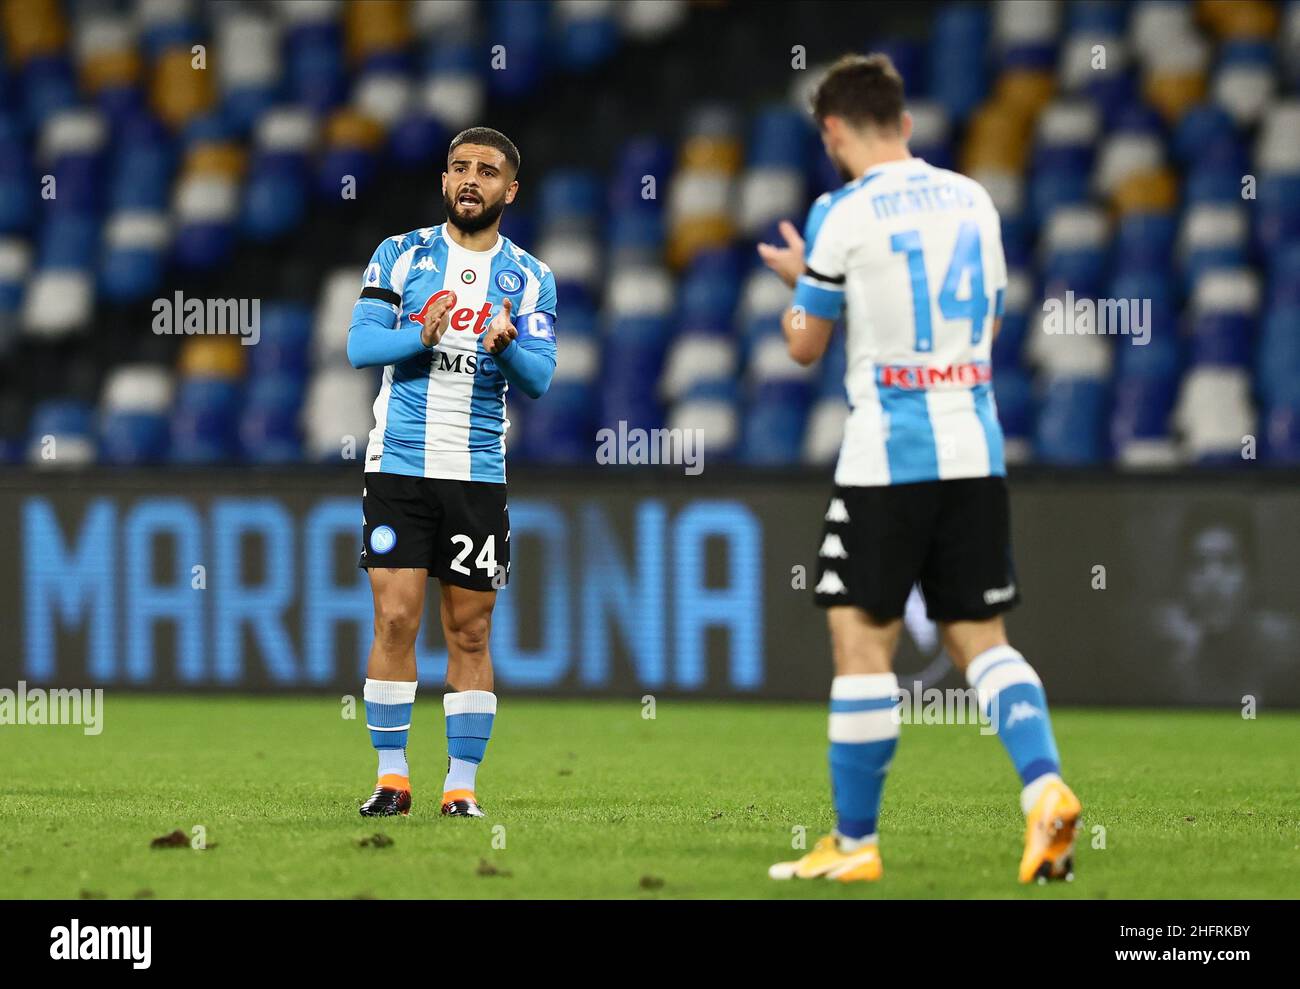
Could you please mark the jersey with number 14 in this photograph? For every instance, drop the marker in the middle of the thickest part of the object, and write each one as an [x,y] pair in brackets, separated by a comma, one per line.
[912,254]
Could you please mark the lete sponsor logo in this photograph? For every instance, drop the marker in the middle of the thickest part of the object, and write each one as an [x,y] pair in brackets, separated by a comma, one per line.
[461,319]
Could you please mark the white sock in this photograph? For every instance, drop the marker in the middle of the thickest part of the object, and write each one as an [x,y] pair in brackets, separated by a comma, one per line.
[1030,794]
[853,844]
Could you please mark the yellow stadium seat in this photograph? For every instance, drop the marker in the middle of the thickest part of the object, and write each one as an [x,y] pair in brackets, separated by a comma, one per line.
[998,137]
[32,28]
[372,26]
[1174,93]
[350,129]
[1028,89]
[179,91]
[720,154]
[224,158]
[1239,18]
[1147,192]
[212,357]
[688,237]
[105,69]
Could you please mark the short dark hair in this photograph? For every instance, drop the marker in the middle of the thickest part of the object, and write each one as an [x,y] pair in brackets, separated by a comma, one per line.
[862,89]
[489,138]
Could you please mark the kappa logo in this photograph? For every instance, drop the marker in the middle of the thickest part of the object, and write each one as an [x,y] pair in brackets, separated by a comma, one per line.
[837,512]
[426,264]
[833,548]
[1021,711]
[830,584]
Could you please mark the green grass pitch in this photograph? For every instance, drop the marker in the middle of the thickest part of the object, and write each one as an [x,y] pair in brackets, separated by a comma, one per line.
[593,800]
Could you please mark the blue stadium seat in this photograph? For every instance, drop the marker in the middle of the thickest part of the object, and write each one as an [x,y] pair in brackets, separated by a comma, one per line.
[204,422]
[268,422]
[780,137]
[1071,429]
[133,438]
[639,158]
[18,188]
[1145,242]
[285,342]
[773,424]
[135,255]
[588,36]
[69,423]
[314,64]
[959,77]
[141,166]
[1277,362]
[1278,211]
[1282,435]
[1013,390]
[48,86]
[709,292]
[570,199]
[523,29]
[1202,127]
[1143,406]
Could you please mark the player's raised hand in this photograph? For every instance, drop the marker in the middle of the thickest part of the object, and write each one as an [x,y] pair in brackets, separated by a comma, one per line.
[500,331]
[785,261]
[436,320]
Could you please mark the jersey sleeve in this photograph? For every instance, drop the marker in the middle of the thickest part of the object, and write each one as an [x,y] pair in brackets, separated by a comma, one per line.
[377,290]
[820,289]
[374,337]
[536,318]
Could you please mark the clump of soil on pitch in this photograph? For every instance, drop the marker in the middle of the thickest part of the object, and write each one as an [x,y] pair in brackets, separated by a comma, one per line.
[486,868]
[177,839]
[651,882]
[376,840]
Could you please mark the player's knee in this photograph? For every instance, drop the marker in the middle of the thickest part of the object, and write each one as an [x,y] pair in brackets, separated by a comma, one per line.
[397,622]
[471,637]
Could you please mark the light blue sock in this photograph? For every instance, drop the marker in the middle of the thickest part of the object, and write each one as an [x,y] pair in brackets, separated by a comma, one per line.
[388,716]
[470,714]
[1011,696]
[863,734]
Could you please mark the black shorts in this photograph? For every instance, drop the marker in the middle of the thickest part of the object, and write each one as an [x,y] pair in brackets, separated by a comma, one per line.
[952,537]
[458,530]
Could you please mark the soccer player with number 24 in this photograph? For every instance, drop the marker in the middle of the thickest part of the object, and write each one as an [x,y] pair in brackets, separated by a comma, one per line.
[454,314]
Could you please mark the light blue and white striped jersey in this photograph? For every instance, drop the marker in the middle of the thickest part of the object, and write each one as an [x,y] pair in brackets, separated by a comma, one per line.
[442,413]
[914,254]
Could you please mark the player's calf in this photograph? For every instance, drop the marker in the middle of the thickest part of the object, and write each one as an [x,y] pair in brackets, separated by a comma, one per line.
[470,714]
[1012,698]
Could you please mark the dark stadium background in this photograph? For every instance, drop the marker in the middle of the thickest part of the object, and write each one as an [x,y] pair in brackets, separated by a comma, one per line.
[173,452]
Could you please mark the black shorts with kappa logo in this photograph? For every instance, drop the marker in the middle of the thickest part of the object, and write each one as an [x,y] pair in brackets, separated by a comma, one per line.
[458,530]
[951,537]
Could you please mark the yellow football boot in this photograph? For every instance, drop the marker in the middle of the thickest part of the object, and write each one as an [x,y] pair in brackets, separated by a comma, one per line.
[827,861]
[1050,827]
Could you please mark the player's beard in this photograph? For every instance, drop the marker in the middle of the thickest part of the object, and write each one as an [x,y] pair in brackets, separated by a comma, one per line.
[481,220]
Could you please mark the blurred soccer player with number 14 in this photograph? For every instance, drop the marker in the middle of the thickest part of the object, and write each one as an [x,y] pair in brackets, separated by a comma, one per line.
[913,255]
[454,314]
